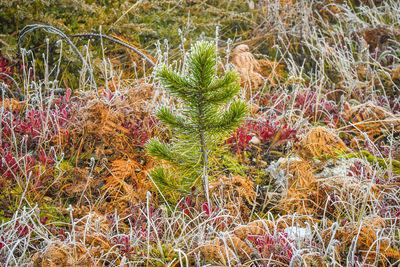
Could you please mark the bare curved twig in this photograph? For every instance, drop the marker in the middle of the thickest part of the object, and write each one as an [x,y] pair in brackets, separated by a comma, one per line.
[97,35]
[50,29]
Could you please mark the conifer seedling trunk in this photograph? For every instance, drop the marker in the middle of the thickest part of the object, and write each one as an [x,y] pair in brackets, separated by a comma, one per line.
[204,162]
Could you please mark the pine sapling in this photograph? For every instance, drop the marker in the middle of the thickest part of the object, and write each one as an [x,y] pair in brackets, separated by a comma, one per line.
[208,117]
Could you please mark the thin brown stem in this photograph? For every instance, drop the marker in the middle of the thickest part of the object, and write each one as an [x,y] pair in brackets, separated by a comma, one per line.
[204,160]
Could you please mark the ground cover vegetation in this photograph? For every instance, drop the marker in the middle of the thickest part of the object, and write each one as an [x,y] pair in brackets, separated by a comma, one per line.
[192,133]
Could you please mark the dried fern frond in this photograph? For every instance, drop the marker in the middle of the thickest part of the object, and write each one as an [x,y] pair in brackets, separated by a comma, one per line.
[236,244]
[127,183]
[244,231]
[366,243]
[319,142]
[247,67]
[302,193]
[395,73]
[11,104]
[59,254]
[217,254]
[254,73]
[238,192]
[372,120]
[241,185]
